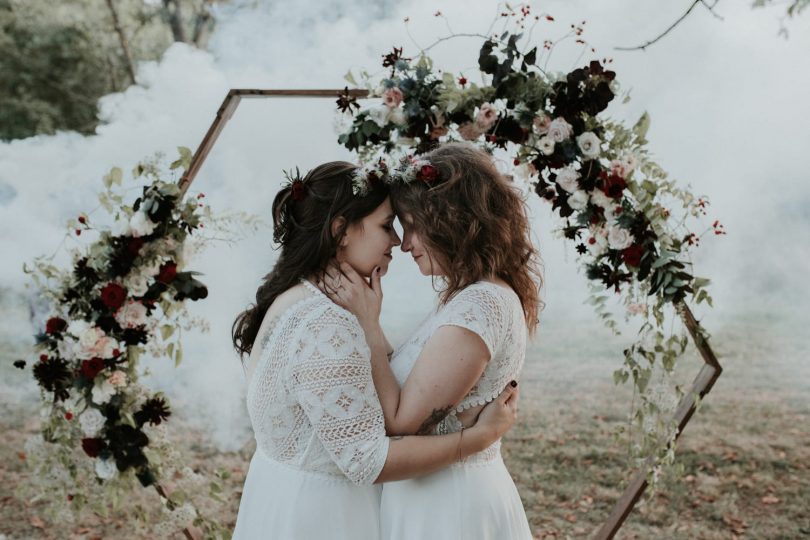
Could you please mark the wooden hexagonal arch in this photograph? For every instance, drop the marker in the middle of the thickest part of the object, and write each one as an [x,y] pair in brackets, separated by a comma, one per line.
[701,385]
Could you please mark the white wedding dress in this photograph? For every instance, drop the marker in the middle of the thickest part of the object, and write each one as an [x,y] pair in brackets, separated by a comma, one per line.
[475,498]
[319,428]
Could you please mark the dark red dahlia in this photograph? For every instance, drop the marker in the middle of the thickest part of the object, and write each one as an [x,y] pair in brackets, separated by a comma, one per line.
[92,447]
[55,325]
[113,295]
[613,185]
[167,273]
[134,246]
[632,255]
[154,411]
[90,368]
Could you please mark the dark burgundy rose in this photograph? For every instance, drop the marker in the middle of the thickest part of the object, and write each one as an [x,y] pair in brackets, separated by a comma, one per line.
[427,174]
[91,368]
[298,190]
[113,295]
[134,246]
[92,447]
[596,67]
[613,185]
[632,255]
[55,325]
[372,178]
[167,273]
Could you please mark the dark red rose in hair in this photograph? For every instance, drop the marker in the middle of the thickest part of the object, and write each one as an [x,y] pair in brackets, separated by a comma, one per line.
[92,447]
[427,174]
[113,295]
[167,273]
[91,368]
[298,190]
[55,325]
[632,255]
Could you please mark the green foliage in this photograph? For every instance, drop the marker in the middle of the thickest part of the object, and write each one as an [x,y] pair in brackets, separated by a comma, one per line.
[58,58]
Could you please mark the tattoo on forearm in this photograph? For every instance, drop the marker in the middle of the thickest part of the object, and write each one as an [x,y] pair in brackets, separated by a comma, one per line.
[433,420]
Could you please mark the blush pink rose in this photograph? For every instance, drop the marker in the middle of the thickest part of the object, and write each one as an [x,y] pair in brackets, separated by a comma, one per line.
[487,116]
[392,97]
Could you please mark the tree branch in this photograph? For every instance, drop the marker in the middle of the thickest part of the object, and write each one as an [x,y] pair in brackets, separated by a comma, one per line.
[673,25]
[122,39]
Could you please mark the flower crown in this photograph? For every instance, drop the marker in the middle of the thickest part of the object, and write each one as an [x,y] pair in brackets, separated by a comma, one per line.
[366,176]
[406,171]
[411,168]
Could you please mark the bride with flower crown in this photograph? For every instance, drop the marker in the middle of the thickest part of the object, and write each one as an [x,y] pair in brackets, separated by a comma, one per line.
[466,224]
[321,443]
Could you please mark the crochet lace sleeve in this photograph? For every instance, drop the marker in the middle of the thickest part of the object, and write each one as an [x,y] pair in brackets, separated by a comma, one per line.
[479,310]
[331,379]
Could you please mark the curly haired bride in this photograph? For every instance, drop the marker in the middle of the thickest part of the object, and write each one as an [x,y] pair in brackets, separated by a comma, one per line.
[463,222]
[319,426]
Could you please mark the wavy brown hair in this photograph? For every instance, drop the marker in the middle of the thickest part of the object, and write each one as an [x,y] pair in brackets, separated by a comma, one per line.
[474,223]
[303,229]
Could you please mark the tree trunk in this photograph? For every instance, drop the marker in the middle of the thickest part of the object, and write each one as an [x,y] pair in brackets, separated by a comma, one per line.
[202,25]
[122,38]
[175,15]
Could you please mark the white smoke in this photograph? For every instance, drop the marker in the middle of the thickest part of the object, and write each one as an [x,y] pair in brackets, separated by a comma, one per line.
[727,100]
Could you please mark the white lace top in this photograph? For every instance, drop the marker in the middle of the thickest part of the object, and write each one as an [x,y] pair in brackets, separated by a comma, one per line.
[311,398]
[494,313]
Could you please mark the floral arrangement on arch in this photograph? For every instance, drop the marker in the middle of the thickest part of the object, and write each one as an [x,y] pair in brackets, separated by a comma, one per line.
[629,223]
[103,432]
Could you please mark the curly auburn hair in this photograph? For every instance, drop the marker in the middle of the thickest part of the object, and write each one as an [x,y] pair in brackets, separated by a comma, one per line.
[474,223]
[302,226]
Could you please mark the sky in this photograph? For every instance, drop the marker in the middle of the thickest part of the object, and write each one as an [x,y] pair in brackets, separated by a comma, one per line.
[727,98]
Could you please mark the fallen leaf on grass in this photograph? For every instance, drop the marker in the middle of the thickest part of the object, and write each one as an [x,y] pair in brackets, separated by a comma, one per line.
[770,499]
[36,522]
[570,518]
[736,524]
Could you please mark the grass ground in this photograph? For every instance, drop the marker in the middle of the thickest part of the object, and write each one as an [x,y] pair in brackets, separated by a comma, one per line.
[745,453]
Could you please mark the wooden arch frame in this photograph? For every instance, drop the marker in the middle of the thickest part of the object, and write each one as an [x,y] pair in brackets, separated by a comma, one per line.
[701,385]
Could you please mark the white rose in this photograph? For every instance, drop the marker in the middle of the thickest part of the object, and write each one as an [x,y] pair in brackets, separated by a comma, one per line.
[379,115]
[90,336]
[397,116]
[619,238]
[131,314]
[102,391]
[559,130]
[140,225]
[546,145]
[579,200]
[589,144]
[567,179]
[91,422]
[137,284]
[77,328]
[598,198]
[106,469]
[67,349]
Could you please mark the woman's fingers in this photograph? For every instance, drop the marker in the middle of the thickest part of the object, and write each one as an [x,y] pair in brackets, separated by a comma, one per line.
[508,393]
[350,273]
